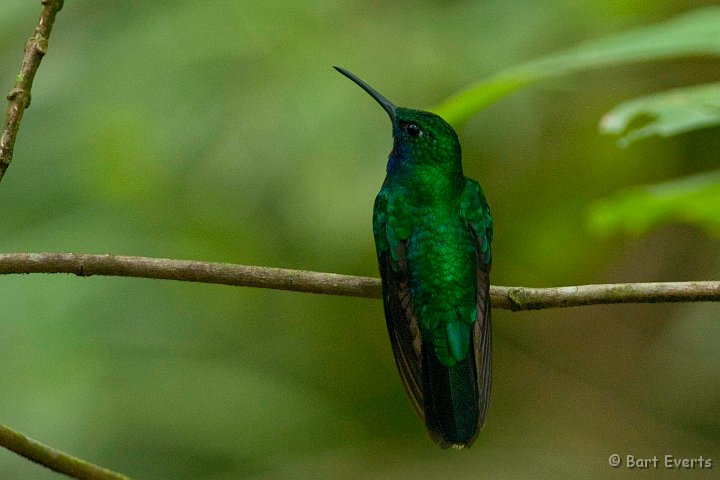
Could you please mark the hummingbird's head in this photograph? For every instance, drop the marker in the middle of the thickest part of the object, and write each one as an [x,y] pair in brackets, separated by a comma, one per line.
[424,137]
[419,137]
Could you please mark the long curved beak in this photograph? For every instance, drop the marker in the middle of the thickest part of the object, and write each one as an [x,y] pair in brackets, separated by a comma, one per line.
[384,102]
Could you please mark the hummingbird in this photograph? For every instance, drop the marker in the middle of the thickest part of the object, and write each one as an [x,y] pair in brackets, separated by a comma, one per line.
[433,229]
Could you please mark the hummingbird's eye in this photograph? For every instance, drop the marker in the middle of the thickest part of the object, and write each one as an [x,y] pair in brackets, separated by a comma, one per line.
[413,130]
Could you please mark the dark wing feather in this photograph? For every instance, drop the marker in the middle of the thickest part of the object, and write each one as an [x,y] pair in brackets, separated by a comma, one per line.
[481,226]
[390,241]
[482,334]
[402,324]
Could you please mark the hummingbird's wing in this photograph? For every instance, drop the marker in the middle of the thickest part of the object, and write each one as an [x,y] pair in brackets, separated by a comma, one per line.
[403,329]
[482,333]
[401,320]
[476,213]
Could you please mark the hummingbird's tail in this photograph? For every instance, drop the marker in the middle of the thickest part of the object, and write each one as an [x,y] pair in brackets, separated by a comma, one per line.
[450,399]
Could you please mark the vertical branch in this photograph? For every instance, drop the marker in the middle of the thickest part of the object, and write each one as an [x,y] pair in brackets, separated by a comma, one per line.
[19,96]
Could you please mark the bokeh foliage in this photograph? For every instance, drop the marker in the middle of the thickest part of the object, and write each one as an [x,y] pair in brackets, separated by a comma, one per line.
[181,130]
[695,33]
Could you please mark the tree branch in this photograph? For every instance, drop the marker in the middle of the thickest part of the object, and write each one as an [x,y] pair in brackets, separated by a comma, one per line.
[53,459]
[19,96]
[510,298]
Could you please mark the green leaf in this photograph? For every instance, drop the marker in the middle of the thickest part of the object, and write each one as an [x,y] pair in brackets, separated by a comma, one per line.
[692,200]
[666,114]
[694,33]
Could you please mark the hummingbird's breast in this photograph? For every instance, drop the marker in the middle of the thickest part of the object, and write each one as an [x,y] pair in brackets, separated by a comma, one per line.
[430,187]
[441,251]
[442,255]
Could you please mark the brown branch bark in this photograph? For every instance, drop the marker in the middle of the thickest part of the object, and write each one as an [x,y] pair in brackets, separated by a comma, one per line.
[53,459]
[85,265]
[19,96]
[510,298]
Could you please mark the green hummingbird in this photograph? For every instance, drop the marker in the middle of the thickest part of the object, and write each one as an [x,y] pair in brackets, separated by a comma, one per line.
[433,230]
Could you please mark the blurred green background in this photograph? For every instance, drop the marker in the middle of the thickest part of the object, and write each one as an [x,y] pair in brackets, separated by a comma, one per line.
[219,131]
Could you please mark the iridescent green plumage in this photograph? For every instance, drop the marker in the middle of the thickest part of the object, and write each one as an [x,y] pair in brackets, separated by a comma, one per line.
[433,231]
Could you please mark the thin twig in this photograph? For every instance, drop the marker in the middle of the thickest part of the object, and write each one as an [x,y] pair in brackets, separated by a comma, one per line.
[53,459]
[510,298]
[19,96]
[527,298]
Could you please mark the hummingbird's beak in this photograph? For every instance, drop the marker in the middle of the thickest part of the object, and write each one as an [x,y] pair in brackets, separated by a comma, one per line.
[384,102]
